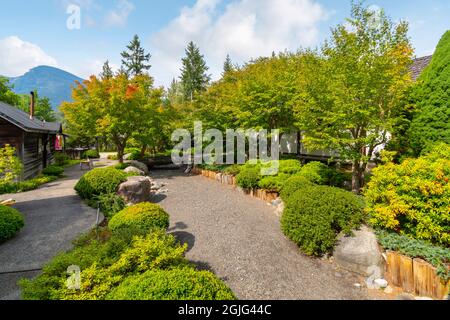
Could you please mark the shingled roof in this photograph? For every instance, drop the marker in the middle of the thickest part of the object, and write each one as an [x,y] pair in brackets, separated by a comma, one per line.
[419,65]
[22,120]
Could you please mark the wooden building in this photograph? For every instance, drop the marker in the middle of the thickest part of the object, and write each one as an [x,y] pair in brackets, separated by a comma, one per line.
[35,141]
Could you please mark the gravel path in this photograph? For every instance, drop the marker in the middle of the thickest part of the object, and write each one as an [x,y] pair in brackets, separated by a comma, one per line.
[239,238]
[54,216]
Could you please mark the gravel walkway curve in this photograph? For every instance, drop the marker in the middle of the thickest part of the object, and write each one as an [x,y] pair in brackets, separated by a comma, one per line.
[239,238]
[54,216]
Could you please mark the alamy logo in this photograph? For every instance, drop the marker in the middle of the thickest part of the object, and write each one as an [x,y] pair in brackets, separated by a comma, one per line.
[74,20]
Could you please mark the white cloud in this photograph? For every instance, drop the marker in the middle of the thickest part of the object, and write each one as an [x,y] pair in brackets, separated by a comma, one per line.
[118,17]
[18,56]
[245,29]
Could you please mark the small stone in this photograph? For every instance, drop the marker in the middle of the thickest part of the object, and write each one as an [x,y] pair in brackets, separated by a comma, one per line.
[381,283]
[358,285]
[134,170]
[388,290]
[277,202]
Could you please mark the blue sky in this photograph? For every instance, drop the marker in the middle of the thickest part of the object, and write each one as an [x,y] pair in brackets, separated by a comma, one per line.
[35,32]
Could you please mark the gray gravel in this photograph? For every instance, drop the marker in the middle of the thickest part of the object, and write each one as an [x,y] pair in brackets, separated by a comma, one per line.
[54,216]
[239,238]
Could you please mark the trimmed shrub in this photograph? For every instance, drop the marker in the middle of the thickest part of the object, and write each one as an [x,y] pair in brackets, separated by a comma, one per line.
[10,165]
[248,177]
[122,166]
[314,216]
[294,184]
[100,181]
[17,187]
[11,221]
[290,167]
[61,159]
[54,171]
[177,284]
[91,154]
[135,155]
[316,172]
[233,170]
[144,216]
[109,204]
[413,198]
[273,183]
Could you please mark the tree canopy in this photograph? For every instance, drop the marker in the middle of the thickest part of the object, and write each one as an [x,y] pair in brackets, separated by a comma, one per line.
[134,59]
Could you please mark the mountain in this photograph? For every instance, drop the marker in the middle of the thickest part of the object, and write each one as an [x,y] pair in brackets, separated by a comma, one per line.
[49,82]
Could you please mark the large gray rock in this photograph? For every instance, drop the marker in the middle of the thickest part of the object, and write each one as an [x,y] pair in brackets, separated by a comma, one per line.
[134,170]
[360,254]
[136,190]
[139,165]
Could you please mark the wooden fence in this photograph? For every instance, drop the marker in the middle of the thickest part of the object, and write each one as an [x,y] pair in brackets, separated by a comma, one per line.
[415,276]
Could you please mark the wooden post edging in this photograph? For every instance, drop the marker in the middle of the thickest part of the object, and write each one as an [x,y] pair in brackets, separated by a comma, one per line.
[415,276]
[268,196]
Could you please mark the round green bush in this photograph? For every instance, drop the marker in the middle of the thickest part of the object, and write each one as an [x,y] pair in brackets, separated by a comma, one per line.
[292,185]
[91,154]
[54,171]
[314,216]
[290,166]
[249,177]
[316,172]
[143,216]
[11,221]
[273,183]
[175,284]
[100,181]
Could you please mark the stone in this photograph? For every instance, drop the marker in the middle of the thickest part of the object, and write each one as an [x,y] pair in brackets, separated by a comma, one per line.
[381,283]
[277,202]
[134,170]
[359,253]
[139,165]
[405,296]
[136,189]
[388,290]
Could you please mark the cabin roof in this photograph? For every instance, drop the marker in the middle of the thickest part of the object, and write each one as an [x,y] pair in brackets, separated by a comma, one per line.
[419,65]
[22,120]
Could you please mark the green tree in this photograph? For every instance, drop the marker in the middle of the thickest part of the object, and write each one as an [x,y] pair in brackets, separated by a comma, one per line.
[134,59]
[355,88]
[10,165]
[431,122]
[194,77]
[6,94]
[107,72]
[43,108]
[227,66]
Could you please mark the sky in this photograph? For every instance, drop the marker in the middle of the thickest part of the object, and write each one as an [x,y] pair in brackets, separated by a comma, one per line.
[80,35]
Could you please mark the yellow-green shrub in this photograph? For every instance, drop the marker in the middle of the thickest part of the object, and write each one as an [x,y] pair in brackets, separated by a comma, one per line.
[413,198]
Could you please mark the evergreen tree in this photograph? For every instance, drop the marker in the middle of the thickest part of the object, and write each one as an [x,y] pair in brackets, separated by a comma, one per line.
[194,78]
[135,60]
[107,72]
[227,66]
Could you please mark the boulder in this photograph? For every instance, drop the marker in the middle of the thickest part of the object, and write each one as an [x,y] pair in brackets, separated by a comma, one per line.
[136,190]
[134,170]
[139,165]
[360,253]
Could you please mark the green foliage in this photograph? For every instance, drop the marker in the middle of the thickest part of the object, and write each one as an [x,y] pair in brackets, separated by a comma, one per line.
[437,256]
[135,155]
[290,166]
[91,154]
[100,181]
[413,198]
[145,216]
[61,159]
[233,170]
[23,186]
[109,204]
[6,94]
[113,157]
[248,177]
[11,221]
[178,284]
[273,183]
[317,173]
[55,171]
[10,165]
[122,166]
[294,184]
[432,98]
[134,59]
[314,216]
[193,72]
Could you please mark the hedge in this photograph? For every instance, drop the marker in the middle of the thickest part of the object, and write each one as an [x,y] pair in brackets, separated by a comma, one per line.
[177,284]
[11,221]
[292,185]
[55,171]
[314,216]
[100,181]
[144,216]
[23,186]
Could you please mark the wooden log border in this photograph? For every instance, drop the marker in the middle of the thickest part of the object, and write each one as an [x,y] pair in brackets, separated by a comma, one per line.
[415,276]
[265,195]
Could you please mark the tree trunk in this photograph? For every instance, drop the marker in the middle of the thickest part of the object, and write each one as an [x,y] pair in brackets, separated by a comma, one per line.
[359,169]
[120,153]
[143,150]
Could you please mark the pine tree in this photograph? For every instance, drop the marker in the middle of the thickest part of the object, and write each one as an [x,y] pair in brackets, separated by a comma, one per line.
[227,66]
[107,72]
[134,60]
[194,78]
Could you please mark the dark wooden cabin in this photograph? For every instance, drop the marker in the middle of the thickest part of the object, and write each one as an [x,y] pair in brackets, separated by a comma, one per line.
[34,140]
